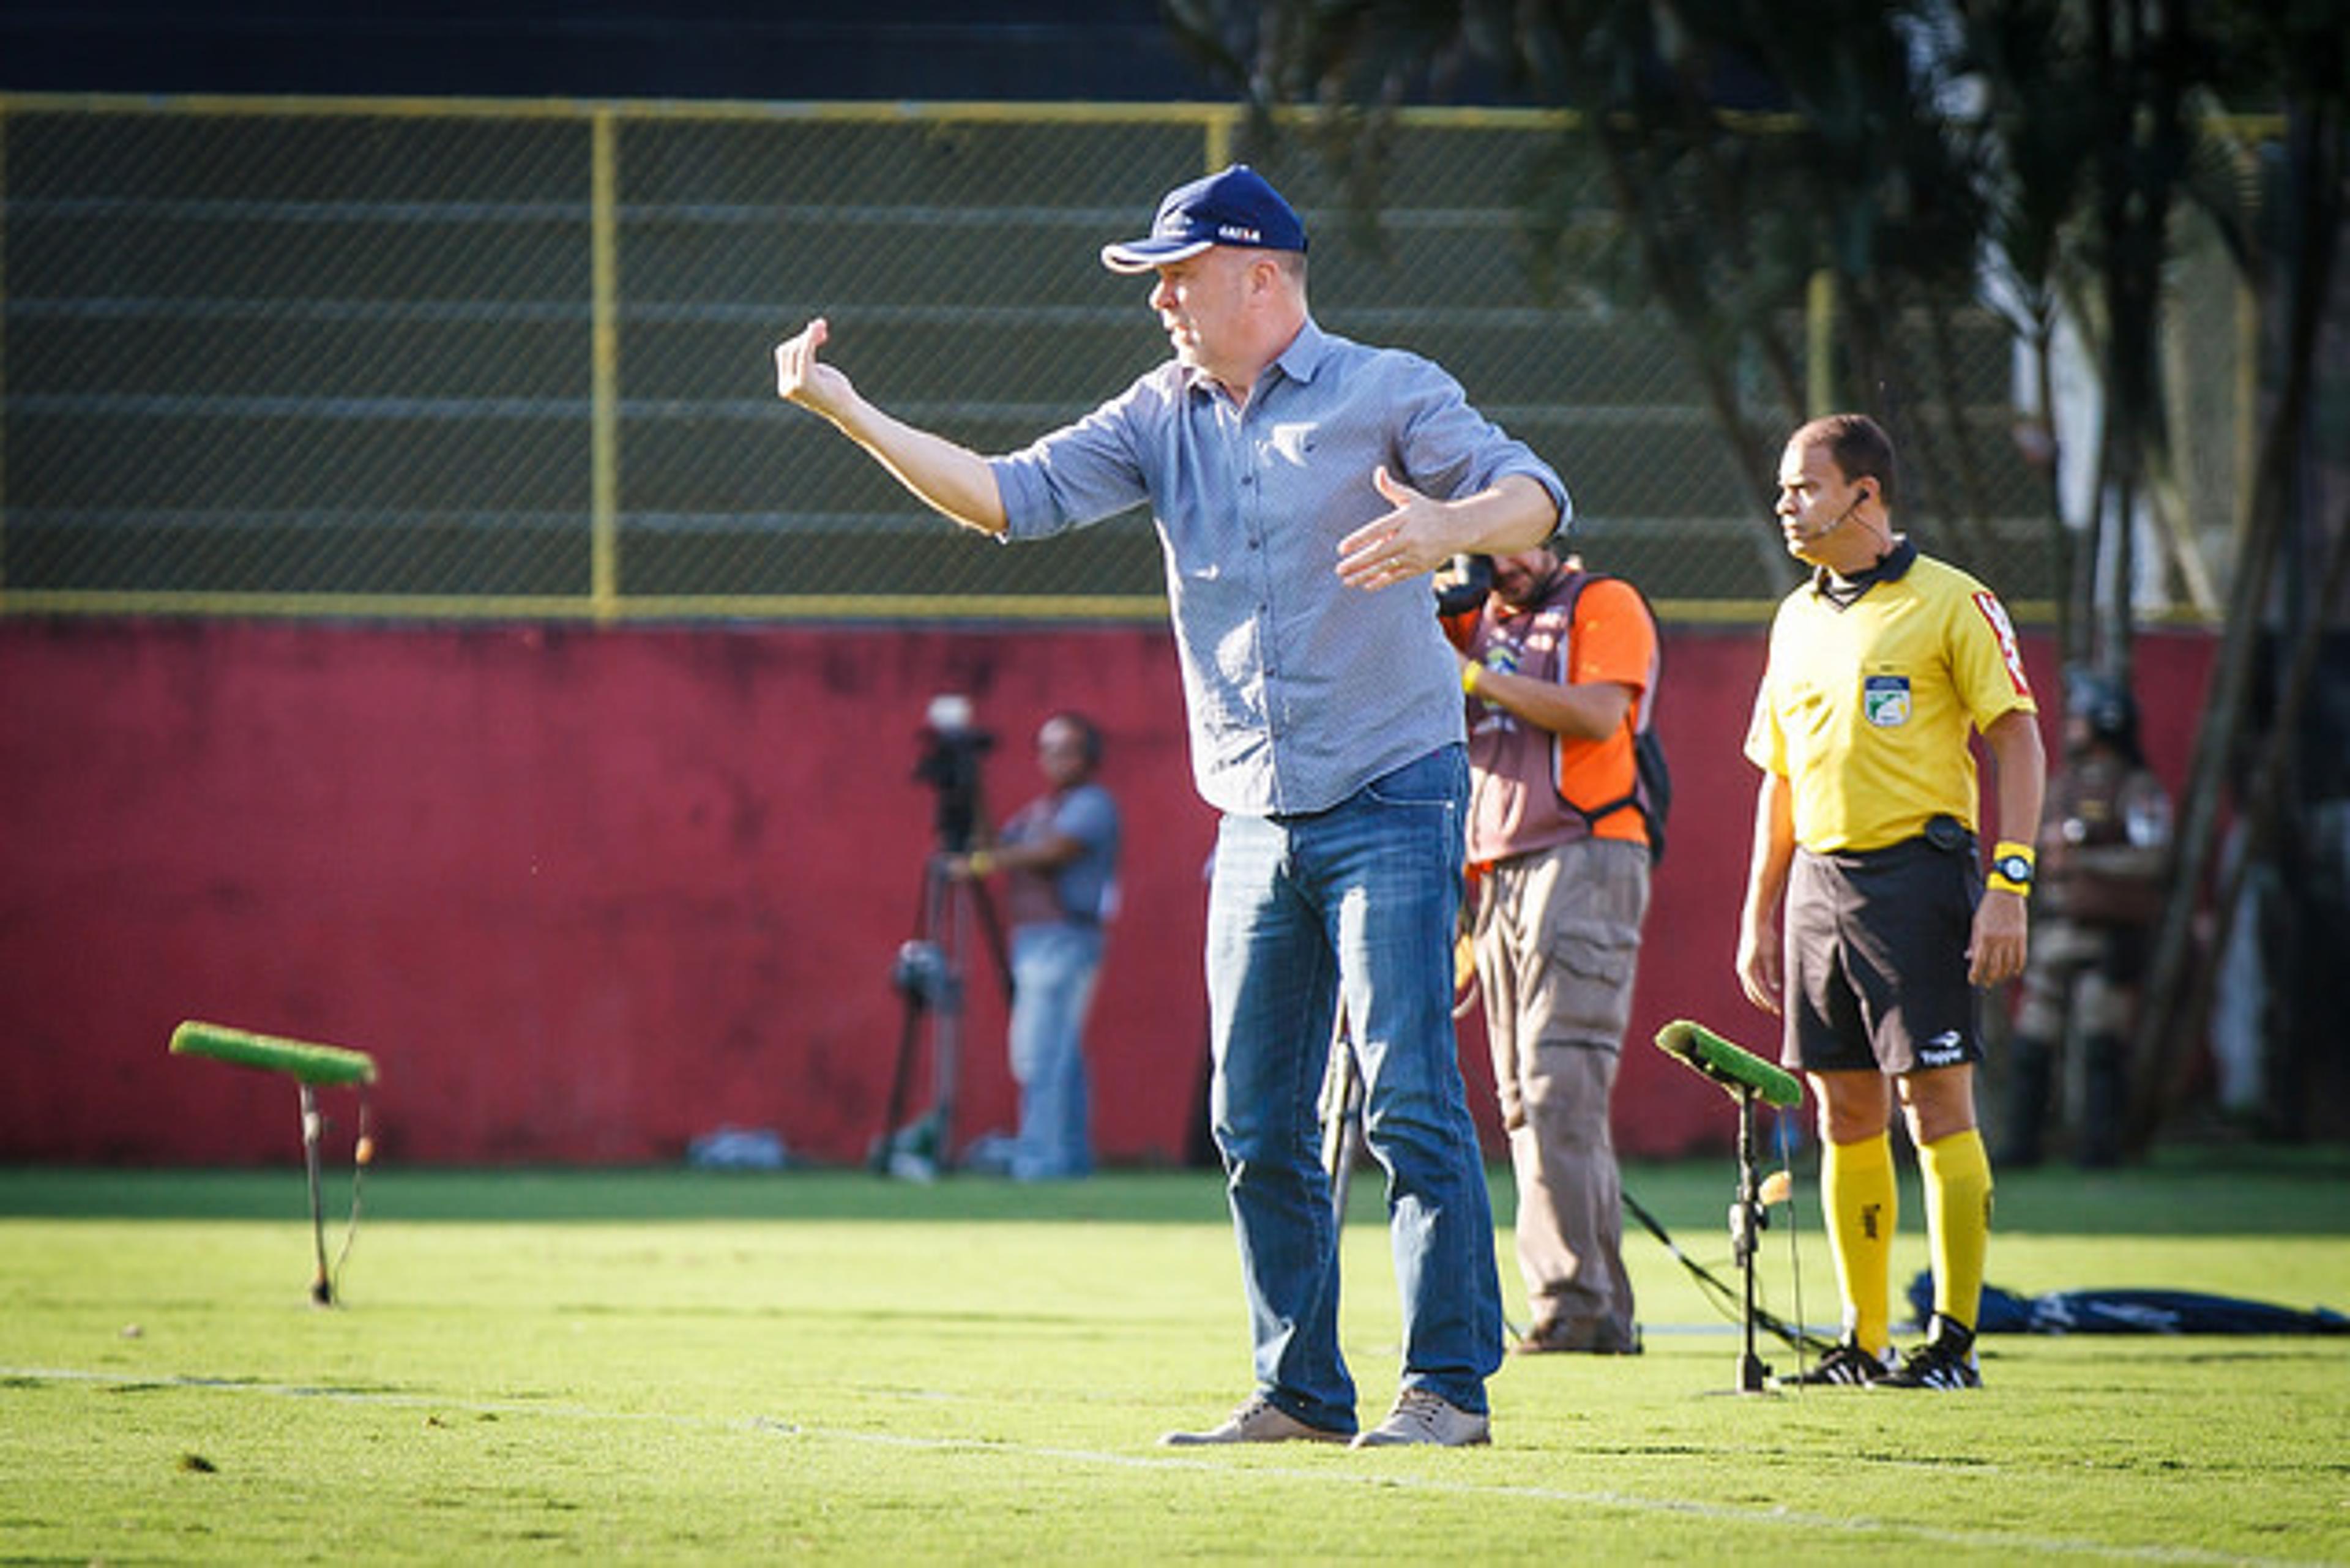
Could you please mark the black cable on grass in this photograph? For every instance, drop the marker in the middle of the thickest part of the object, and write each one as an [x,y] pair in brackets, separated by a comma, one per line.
[1726,1297]
[1809,1342]
[362,1156]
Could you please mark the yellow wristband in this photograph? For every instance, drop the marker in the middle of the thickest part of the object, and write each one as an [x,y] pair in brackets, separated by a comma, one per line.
[1469,675]
[980,862]
[2011,868]
[2007,847]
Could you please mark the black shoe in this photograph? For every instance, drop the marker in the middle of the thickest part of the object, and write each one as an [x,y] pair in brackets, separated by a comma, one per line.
[1848,1365]
[1945,1361]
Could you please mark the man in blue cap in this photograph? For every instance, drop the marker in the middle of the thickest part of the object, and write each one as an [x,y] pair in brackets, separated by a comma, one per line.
[1304,488]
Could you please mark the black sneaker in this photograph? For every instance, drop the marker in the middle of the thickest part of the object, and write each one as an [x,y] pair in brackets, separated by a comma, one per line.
[1946,1360]
[1848,1365]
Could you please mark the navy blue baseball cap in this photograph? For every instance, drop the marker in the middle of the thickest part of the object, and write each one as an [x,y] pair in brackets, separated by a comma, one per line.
[1233,208]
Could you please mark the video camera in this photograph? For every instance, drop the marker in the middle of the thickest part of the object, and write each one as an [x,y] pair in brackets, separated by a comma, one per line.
[951,750]
[1461,585]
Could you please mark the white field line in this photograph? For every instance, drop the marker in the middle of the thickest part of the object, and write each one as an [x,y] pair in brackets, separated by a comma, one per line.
[1382,1479]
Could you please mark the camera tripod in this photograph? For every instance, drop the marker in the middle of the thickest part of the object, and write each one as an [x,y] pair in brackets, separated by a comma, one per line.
[929,974]
[1342,1114]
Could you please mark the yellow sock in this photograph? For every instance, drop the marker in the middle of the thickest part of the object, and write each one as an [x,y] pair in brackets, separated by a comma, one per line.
[1956,1174]
[1857,1191]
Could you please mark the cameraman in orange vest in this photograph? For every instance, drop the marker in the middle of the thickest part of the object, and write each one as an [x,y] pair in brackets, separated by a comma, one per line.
[1560,667]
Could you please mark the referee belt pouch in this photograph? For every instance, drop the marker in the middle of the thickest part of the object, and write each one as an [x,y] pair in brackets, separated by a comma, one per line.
[1948,835]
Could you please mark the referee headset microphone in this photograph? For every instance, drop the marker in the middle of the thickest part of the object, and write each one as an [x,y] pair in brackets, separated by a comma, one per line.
[1840,519]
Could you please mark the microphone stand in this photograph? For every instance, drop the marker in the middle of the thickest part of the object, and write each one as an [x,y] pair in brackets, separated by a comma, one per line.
[1745,1078]
[1746,1222]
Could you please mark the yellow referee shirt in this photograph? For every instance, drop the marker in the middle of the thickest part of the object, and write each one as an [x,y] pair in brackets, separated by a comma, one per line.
[1868,709]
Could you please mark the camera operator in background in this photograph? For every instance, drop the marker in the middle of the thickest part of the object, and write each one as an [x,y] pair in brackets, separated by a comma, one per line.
[1059,854]
[1560,667]
[2105,848]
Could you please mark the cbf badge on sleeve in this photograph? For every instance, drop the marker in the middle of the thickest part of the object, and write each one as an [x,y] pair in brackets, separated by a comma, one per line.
[1885,700]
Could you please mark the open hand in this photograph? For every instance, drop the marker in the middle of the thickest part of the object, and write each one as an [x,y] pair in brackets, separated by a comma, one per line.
[1411,541]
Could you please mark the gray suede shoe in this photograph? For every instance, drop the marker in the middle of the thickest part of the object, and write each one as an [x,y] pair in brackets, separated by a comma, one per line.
[1259,1420]
[1421,1416]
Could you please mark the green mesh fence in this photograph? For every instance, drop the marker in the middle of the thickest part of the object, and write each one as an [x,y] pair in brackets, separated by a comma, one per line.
[450,358]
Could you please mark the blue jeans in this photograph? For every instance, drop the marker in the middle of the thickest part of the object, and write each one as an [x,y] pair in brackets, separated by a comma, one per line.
[1357,901]
[1053,972]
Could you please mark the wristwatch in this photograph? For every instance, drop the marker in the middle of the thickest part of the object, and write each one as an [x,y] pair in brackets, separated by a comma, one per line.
[2014,868]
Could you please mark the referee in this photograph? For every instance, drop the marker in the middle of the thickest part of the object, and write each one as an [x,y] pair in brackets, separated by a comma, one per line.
[1881,668]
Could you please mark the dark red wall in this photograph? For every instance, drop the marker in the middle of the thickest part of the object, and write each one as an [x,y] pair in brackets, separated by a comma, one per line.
[586,894]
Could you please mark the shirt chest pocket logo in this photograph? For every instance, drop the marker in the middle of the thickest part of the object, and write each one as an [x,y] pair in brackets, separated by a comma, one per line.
[1885,700]
[1293,443]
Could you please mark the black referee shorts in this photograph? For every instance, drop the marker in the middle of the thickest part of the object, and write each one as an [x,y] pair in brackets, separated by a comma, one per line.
[1877,959]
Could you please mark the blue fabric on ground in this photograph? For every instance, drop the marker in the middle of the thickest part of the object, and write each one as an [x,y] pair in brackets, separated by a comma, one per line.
[2131,1312]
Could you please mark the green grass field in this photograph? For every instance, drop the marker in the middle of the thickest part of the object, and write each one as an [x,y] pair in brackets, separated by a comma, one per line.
[825,1367]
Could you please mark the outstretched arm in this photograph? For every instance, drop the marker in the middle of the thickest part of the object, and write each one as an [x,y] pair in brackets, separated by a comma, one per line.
[948,478]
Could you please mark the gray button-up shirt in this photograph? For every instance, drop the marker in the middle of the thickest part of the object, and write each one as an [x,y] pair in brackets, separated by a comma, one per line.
[1300,690]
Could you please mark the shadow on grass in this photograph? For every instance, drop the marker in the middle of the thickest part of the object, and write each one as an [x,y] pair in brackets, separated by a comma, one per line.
[2234,1191]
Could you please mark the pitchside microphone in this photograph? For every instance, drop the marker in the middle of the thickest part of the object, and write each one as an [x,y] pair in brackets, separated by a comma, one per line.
[1737,1071]
[302,1060]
